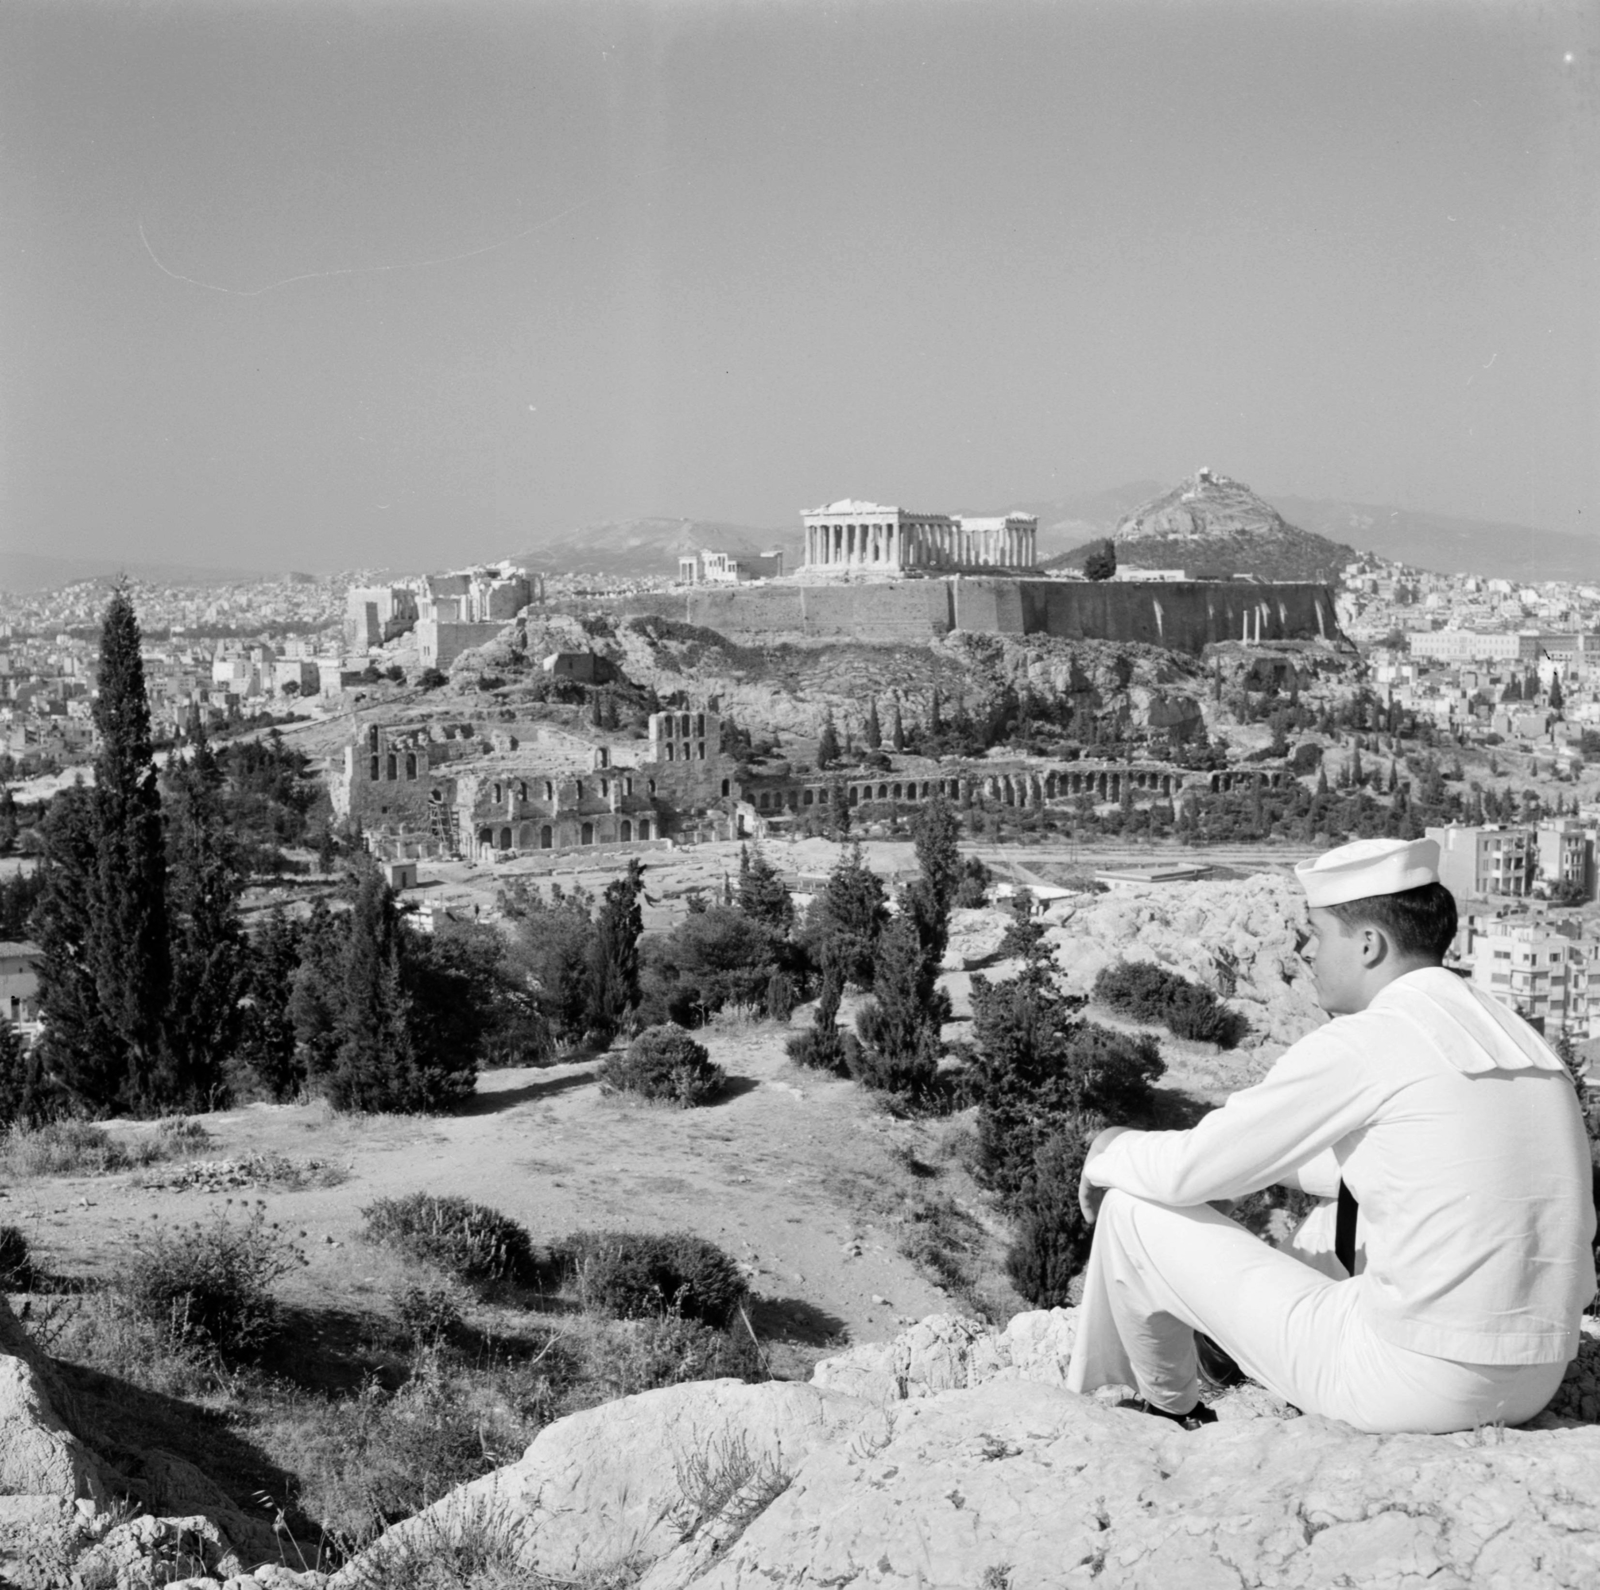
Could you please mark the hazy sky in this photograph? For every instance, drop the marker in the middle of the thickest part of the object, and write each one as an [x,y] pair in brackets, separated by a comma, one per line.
[732,260]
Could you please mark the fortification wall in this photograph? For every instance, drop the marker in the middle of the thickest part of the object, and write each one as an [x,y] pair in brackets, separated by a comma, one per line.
[1185,615]
[900,610]
[1182,615]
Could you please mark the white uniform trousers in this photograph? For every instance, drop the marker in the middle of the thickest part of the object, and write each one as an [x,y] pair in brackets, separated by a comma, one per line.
[1158,1274]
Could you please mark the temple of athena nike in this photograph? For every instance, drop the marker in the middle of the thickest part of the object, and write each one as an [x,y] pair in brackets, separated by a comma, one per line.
[849,537]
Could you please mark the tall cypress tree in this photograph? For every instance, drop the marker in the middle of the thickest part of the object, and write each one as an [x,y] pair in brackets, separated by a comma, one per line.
[873,732]
[375,1068]
[614,958]
[205,880]
[106,976]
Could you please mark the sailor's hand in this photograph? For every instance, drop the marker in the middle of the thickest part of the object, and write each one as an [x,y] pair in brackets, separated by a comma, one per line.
[1090,1197]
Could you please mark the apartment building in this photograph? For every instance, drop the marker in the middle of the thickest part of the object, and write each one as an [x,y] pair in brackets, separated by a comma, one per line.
[1487,859]
[1546,976]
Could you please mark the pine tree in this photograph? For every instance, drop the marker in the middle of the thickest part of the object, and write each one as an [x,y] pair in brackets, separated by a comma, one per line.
[614,958]
[1556,699]
[1358,775]
[872,733]
[897,731]
[899,1041]
[935,721]
[846,918]
[762,894]
[8,821]
[205,881]
[827,743]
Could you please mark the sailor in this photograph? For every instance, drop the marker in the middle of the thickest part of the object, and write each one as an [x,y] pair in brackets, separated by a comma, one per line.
[1441,1116]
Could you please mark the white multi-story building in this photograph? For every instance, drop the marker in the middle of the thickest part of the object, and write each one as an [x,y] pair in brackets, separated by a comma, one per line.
[1471,645]
[1549,978]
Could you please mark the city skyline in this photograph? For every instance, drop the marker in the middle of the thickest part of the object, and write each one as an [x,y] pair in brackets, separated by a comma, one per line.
[339,287]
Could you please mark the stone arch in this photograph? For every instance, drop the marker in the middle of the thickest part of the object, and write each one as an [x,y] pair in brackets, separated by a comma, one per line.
[505,838]
[525,837]
[586,834]
[644,827]
[625,831]
[547,837]
[411,764]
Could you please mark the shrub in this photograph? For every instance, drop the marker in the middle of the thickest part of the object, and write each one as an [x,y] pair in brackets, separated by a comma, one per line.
[635,1274]
[18,1273]
[1147,992]
[1051,1241]
[469,1241]
[664,1063]
[209,1284]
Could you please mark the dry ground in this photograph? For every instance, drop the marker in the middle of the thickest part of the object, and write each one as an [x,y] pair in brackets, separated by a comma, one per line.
[796,1175]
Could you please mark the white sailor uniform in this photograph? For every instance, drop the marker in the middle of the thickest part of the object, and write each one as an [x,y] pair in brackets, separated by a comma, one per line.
[1458,1131]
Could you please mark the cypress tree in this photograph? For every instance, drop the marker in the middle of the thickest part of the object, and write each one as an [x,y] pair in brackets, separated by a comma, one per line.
[873,732]
[827,744]
[897,733]
[205,880]
[898,1031]
[374,1067]
[106,978]
[614,955]
[268,1045]
[8,820]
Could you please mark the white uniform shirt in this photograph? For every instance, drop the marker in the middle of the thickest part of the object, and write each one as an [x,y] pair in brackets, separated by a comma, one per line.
[1459,1132]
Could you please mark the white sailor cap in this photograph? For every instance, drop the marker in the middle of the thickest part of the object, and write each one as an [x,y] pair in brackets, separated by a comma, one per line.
[1367,867]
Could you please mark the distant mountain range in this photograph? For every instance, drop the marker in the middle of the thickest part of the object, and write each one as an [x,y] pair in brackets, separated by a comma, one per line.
[628,548]
[24,572]
[624,548]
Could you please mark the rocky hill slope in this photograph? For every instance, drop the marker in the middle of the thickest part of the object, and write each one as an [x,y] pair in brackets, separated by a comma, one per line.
[952,1456]
[1211,525]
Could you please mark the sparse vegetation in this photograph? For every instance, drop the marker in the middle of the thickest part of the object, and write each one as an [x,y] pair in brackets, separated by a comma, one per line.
[209,1284]
[76,1148]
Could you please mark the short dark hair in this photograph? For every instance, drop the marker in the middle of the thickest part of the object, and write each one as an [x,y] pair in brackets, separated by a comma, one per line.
[1420,921]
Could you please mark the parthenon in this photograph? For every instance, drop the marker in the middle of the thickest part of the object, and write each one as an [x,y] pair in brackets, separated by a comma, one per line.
[849,536]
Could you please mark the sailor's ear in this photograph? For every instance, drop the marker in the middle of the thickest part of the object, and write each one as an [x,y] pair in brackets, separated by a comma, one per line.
[1375,945]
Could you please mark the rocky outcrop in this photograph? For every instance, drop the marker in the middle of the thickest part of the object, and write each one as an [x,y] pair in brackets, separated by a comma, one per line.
[1209,524]
[953,1456]
[1241,938]
[66,1510]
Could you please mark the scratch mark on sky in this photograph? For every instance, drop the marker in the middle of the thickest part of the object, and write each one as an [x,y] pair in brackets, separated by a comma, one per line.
[357,270]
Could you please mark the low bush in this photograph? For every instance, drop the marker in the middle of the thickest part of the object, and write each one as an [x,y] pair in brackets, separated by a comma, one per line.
[209,1284]
[1146,992]
[18,1273]
[664,1063]
[634,1274]
[470,1241]
[824,1049]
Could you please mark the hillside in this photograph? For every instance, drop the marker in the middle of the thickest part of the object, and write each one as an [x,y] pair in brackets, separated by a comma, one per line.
[1068,525]
[624,548]
[1212,525]
[27,572]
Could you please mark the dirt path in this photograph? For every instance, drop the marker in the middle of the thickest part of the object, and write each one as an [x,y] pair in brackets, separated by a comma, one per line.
[793,1174]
